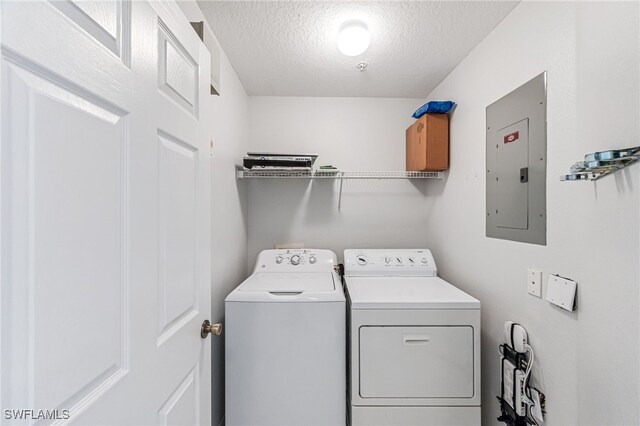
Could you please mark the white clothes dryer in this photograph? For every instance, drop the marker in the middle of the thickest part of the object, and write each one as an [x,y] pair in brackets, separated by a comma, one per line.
[285,342]
[414,342]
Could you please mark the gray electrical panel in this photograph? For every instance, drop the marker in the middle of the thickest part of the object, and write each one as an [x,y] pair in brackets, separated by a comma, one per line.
[517,164]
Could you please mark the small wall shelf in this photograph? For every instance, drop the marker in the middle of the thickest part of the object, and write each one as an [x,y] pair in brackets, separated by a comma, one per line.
[271,174]
[599,164]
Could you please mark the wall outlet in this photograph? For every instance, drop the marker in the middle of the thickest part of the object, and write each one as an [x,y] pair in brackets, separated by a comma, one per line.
[534,282]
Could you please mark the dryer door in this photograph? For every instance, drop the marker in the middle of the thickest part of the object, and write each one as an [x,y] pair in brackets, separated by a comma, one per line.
[416,362]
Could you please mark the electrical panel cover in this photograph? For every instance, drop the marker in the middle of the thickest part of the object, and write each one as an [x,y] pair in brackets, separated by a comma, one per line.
[516,146]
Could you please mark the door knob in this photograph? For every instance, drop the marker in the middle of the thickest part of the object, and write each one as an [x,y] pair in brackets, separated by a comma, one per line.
[207,327]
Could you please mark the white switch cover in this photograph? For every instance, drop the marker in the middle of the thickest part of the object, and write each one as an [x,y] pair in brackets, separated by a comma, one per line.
[562,292]
[534,282]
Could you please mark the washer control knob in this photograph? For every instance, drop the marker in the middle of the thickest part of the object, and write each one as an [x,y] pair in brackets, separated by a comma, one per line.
[387,260]
[278,259]
[295,259]
[424,260]
[362,260]
[312,260]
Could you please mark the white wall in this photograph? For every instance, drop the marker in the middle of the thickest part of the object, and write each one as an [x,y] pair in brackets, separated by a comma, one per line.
[228,128]
[351,134]
[588,359]
[229,207]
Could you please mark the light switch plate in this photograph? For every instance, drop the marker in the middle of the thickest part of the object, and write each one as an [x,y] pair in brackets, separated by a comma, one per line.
[534,282]
[562,292]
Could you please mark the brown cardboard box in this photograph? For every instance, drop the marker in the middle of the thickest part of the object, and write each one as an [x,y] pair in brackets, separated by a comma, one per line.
[428,143]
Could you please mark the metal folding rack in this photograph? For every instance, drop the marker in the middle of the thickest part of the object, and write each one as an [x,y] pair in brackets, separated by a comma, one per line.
[599,164]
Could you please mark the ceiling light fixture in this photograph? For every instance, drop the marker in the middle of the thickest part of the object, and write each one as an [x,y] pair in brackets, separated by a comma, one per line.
[353,38]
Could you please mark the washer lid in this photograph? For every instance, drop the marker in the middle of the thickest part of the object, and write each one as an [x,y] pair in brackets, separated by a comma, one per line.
[288,287]
[407,293]
[274,282]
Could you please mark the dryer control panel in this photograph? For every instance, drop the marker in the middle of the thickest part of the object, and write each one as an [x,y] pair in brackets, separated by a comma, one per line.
[296,260]
[389,262]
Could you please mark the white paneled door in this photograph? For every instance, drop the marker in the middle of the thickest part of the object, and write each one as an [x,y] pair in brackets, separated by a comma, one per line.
[104,214]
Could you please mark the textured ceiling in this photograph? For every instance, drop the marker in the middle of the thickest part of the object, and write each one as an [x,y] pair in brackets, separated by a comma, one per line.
[288,48]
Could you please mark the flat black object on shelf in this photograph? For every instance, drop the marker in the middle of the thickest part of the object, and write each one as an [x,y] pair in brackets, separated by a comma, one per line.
[281,155]
[260,163]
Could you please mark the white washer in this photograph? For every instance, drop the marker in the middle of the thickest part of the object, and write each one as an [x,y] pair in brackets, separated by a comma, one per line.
[285,342]
[414,342]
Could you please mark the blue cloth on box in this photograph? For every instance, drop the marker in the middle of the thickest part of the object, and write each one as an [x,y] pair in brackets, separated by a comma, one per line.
[434,107]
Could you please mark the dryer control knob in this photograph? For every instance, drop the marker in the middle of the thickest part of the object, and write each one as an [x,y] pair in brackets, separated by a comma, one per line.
[362,260]
[424,260]
[295,259]
[279,259]
[312,260]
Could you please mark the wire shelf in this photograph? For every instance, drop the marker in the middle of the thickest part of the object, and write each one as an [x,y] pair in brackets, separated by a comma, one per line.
[294,174]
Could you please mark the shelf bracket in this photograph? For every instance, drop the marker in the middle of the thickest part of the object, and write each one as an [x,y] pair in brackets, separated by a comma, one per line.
[340,194]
